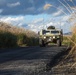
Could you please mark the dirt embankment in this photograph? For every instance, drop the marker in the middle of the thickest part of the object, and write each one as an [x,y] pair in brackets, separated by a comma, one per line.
[63,63]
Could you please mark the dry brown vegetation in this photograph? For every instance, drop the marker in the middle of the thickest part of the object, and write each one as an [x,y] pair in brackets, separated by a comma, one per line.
[12,36]
[73,41]
[16,30]
[64,63]
[67,62]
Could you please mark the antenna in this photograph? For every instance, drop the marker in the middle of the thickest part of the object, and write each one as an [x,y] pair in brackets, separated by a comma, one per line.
[43,23]
[60,24]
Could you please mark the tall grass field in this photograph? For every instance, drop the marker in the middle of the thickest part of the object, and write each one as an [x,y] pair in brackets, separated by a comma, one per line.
[11,36]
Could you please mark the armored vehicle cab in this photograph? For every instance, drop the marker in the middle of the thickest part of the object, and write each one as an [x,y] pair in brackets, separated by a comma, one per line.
[50,36]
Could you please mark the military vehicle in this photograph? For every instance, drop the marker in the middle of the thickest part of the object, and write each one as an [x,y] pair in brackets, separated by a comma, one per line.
[51,35]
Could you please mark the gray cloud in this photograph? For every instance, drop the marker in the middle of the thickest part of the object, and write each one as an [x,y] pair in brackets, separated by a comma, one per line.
[26,7]
[13,4]
[1,10]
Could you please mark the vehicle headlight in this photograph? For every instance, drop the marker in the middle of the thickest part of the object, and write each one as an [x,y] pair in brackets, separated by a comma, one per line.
[53,36]
[57,36]
[44,37]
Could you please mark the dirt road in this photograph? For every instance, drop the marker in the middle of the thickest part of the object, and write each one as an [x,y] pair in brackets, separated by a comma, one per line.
[26,61]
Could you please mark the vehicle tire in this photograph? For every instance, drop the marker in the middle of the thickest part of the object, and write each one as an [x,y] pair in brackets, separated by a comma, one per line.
[58,42]
[41,43]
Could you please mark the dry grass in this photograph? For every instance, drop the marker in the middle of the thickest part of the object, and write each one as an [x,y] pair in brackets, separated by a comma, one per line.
[70,58]
[73,39]
[16,30]
[22,36]
[65,64]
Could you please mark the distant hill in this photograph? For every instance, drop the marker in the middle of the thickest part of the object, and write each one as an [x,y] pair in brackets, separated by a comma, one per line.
[68,33]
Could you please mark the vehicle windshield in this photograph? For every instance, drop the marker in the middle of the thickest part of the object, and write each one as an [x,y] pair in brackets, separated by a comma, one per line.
[46,32]
[54,32]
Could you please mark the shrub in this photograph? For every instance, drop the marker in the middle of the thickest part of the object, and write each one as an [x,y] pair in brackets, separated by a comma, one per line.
[66,41]
[74,34]
[72,39]
[31,41]
[21,39]
[11,36]
[7,39]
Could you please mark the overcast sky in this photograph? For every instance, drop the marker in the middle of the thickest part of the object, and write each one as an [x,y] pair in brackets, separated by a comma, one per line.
[38,14]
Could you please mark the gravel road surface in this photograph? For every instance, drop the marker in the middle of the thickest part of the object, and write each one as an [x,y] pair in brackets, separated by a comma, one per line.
[27,61]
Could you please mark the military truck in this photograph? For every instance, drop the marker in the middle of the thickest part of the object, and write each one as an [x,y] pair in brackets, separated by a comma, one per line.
[51,35]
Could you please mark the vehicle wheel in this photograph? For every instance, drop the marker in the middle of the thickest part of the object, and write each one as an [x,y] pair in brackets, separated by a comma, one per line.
[41,43]
[58,42]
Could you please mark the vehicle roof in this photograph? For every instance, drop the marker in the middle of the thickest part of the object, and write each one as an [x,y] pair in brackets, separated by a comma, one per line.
[53,29]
